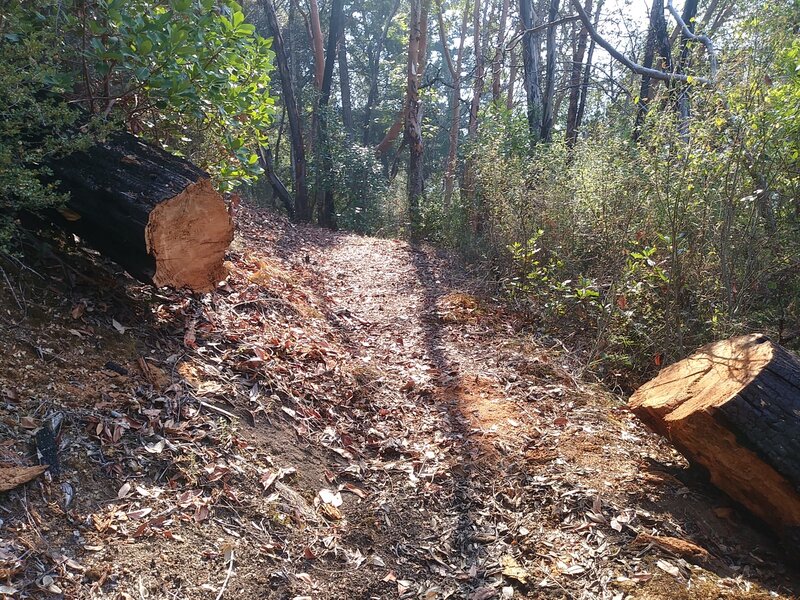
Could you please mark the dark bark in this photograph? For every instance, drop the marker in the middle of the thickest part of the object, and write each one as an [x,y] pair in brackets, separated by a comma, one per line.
[301,206]
[531,64]
[657,44]
[327,208]
[684,109]
[413,125]
[550,74]
[344,86]
[497,63]
[155,214]
[587,72]
[278,187]
[575,87]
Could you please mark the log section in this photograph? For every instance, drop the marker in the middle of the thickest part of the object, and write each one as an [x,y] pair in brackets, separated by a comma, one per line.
[734,408]
[155,214]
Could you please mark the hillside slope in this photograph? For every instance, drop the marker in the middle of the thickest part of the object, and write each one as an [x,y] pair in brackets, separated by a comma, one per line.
[346,417]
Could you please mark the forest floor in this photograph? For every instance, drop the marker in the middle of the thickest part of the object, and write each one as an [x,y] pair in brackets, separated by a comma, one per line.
[345,418]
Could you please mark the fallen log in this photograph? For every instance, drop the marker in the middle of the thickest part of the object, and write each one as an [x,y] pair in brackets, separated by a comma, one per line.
[155,214]
[734,409]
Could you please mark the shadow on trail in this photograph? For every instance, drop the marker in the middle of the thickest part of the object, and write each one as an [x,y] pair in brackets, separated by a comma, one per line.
[464,497]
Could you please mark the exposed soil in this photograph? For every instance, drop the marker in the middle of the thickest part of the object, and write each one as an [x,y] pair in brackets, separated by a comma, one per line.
[346,417]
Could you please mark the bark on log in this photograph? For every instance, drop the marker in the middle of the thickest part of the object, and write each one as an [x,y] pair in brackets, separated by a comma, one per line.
[734,408]
[155,214]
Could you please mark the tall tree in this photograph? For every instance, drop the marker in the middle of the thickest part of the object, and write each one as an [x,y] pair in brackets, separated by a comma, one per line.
[472,124]
[344,87]
[689,14]
[301,206]
[657,44]
[455,98]
[317,43]
[587,72]
[497,62]
[531,59]
[512,77]
[413,124]
[550,73]
[575,88]
[374,72]
[327,211]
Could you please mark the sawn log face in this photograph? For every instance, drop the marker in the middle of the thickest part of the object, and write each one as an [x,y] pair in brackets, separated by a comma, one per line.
[734,408]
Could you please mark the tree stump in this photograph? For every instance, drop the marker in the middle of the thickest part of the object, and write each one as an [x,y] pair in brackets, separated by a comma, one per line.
[155,214]
[734,408]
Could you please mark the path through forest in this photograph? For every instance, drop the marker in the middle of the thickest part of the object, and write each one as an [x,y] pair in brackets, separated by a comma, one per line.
[347,417]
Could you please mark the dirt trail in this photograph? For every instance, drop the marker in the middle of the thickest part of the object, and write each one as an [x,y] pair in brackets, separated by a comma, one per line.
[347,417]
[526,483]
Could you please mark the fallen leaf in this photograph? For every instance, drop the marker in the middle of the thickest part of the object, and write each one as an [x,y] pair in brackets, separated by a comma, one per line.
[330,497]
[512,569]
[201,513]
[330,511]
[724,512]
[683,548]
[669,568]
[349,487]
[483,593]
[124,490]
[139,514]
[118,326]
[155,448]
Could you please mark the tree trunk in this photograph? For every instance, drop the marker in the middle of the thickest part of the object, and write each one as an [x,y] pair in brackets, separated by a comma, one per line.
[265,159]
[344,85]
[512,78]
[413,126]
[734,408]
[472,125]
[375,61]
[317,44]
[550,74]
[497,63]
[689,13]
[587,72]
[455,99]
[531,64]
[155,214]
[301,208]
[657,39]
[575,81]
[327,208]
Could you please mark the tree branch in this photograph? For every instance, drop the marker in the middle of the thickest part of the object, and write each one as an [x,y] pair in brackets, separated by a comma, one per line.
[635,67]
[687,33]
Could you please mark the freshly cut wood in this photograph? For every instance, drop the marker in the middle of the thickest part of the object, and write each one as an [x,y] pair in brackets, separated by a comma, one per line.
[154,213]
[734,408]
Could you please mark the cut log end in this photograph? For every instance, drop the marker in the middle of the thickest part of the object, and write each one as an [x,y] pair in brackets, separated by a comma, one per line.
[188,236]
[734,408]
[155,214]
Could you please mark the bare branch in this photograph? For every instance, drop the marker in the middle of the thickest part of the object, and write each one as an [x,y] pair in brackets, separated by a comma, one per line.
[706,41]
[635,67]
